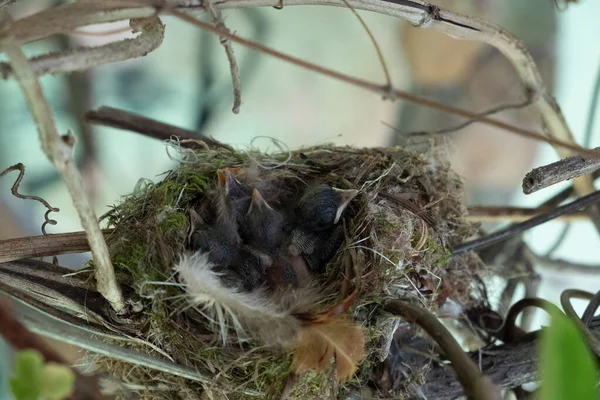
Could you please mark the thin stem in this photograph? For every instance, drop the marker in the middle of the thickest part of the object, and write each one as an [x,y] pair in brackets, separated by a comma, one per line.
[516,229]
[386,71]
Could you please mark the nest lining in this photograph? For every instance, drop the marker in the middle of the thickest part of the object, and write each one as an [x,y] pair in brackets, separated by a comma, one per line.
[396,252]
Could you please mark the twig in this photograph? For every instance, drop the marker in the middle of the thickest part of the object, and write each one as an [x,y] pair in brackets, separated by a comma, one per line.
[386,71]
[516,229]
[476,385]
[15,192]
[20,338]
[59,151]
[80,59]
[235,70]
[122,119]
[492,111]
[565,169]
[43,246]
[515,214]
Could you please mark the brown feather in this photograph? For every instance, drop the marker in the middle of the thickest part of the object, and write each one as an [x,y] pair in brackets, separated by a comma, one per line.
[317,344]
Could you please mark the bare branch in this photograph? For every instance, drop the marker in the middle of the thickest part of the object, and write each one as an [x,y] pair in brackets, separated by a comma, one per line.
[565,169]
[452,129]
[122,119]
[386,71]
[235,70]
[79,59]
[59,150]
[67,17]
[42,246]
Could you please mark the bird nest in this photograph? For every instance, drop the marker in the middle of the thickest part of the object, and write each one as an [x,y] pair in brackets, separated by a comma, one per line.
[398,234]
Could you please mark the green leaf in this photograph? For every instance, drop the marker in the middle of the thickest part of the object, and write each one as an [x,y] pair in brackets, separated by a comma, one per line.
[58,381]
[568,370]
[27,381]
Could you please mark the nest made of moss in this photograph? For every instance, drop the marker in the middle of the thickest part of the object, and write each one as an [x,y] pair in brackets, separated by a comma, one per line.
[399,232]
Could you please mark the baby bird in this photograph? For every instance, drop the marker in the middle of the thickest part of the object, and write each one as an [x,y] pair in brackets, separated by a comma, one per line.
[207,239]
[231,203]
[317,237]
[321,206]
[262,227]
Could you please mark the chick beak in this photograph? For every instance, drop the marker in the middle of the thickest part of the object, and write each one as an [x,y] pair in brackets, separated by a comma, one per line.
[195,222]
[222,177]
[345,196]
[258,202]
[231,184]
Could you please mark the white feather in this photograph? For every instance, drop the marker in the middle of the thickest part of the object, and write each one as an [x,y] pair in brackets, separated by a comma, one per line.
[263,316]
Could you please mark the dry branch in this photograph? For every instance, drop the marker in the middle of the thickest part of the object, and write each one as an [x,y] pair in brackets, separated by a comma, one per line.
[59,151]
[151,36]
[233,66]
[565,169]
[122,119]
[42,246]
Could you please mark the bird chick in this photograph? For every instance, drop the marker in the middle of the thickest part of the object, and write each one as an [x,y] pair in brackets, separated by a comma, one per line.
[321,206]
[262,227]
[207,239]
[231,203]
[250,268]
[324,249]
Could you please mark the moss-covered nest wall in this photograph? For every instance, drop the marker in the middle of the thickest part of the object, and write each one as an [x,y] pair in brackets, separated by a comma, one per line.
[399,232]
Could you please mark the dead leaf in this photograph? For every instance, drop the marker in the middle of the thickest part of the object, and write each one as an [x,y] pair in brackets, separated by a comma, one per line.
[317,344]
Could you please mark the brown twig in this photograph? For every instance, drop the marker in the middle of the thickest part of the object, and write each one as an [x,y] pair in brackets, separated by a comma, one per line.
[59,151]
[563,170]
[43,246]
[386,71]
[515,214]
[121,119]
[215,13]
[476,385]
[15,192]
[452,129]
[20,338]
